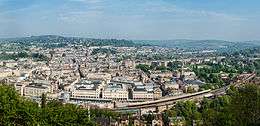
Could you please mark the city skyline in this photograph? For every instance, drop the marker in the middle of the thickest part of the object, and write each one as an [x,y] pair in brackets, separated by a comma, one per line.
[233,20]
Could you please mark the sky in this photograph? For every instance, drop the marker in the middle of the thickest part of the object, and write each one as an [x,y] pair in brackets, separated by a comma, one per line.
[233,20]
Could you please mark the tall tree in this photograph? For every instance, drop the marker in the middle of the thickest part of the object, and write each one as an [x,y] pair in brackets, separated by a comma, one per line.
[43,100]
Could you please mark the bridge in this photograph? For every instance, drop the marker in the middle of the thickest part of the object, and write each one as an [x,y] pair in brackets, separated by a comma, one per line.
[168,102]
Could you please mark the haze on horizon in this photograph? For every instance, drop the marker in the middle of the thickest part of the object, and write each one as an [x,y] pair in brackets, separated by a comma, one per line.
[234,20]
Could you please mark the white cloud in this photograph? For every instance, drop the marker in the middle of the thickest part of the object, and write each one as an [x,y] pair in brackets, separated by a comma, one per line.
[79,16]
[210,15]
[179,12]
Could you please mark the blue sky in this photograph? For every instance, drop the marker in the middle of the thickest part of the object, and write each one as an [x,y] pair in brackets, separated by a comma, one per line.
[235,20]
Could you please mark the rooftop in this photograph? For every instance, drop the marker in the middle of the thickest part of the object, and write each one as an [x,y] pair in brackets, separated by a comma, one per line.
[37,85]
[115,87]
[87,84]
[195,82]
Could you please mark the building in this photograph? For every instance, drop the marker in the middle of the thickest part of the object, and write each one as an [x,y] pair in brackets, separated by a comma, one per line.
[36,89]
[10,63]
[116,91]
[189,75]
[87,89]
[166,74]
[172,85]
[142,93]
[128,64]
[190,88]
[146,91]
[19,88]
[155,63]
[157,122]
[99,76]
[157,93]
[6,72]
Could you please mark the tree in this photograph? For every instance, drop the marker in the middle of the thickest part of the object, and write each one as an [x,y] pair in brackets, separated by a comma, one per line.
[174,65]
[43,100]
[149,118]
[161,68]
[15,110]
[166,115]
[239,107]
[143,67]
[188,110]
[245,106]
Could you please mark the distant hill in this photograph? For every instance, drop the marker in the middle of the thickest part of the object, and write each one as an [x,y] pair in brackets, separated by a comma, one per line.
[218,45]
[54,39]
[256,42]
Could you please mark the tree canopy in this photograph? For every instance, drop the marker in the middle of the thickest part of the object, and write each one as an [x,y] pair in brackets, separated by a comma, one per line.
[16,110]
[240,107]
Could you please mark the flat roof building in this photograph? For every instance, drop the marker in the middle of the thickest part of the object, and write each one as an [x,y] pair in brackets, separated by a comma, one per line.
[116,91]
[87,89]
[36,89]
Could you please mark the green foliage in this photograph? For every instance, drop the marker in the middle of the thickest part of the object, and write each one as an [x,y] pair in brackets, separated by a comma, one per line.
[15,110]
[53,41]
[215,112]
[103,51]
[211,75]
[161,68]
[143,67]
[43,101]
[149,118]
[15,56]
[211,86]
[147,68]
[240,107]
[188,110]
[39,57]
[257,66]
[174,65]
[66,114]
[245,107]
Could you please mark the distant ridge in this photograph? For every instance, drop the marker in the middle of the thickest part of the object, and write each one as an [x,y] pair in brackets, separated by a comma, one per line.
[219,45]
[50,39]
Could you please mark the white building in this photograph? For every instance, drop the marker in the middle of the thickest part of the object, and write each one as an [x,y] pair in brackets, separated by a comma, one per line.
[19,87]
[99,76]
[36,89]
[140,93]
[86,89]
[146,91]
[172,85]
[116,91]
